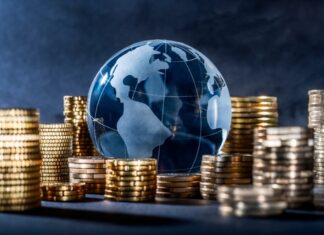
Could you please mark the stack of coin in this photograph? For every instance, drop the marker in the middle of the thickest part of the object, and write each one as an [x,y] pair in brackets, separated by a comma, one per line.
[318,165]
[63,192]
[315,108]
[178,185]
[20,159]
[131,180]
[248,113]
[223,169]
[56,148]
[75,113]
[251,201]
[89,170]
[286,162]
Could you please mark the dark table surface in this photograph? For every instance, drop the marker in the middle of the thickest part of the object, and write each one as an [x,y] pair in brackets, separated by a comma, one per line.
[97,216]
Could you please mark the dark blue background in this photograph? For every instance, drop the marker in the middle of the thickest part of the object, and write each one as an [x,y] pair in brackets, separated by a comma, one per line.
[53,48]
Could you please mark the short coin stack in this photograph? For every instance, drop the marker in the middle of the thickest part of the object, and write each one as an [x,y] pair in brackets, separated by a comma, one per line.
[251,201]
[315,108]
[75,113]
[131,180]
[178,185]
[223,169]
[89,170]
[20,159]
[56,148]
[63,192]
[248,113]
[286,162]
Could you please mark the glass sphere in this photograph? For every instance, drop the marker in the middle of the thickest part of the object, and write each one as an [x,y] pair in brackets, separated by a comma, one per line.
[160,99]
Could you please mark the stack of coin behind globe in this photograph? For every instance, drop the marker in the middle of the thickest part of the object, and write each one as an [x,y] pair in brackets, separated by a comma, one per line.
[178,185]
[63,192]
[224,169]
[56,148]
[248,113]
[319,166]
[316,121]
[251,201]
[286,162]
[131,180]
[20,159]
[75,113]
[89,170]
[315,108]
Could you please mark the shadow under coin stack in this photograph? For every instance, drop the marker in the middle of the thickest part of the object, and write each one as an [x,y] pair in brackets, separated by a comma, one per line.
[20,160]
[286,162]
[251,201]
[178,185]
[316,121]
[63,192]
[56,148]
[131,180]
[248,113]
[223,169]
[75,113]
[88,170]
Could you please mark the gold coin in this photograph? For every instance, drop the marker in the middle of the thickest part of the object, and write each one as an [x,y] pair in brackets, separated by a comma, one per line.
[20,188]
[131,173]
[19,182]
[130,188]
[7,196]
[253,99]
[129,194]
[130,178]
[87,171]
[19,163]
[130,183]
[87,160]
[14,112]
[68,198]
[131,162]
[72,180]
[87,176]
[175,177]
[86,165]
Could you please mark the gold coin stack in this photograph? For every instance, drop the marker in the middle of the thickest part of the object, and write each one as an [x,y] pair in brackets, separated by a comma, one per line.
[249,112]
[89,170]
[131,180]
[286,162]
[178,185]
[56,148]
[251,201]
[223,169]
[75,113]
[20,159]
[315,108]
[63,192]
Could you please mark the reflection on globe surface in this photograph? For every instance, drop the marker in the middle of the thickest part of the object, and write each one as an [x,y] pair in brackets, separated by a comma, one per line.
[160,99]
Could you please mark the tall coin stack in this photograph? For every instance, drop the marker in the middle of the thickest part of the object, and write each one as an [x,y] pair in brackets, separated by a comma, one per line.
[131,180]
[20,159]
[75,113]
[316,121]
[178,185]
[223,169]
[315,108]
[56,148]
[249,112]
[251,201]
[286,162]
[88,170]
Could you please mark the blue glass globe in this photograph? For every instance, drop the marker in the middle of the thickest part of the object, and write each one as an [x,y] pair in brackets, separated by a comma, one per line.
[160,99]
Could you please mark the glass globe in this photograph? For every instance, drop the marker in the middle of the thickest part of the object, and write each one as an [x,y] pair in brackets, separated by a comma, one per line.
[160,99]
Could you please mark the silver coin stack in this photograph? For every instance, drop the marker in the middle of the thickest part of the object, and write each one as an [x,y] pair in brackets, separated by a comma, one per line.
[250,200]
[224,169]
[285,162]
[316,121]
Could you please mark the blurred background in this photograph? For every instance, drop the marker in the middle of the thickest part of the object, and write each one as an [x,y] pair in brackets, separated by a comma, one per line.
[49,49]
